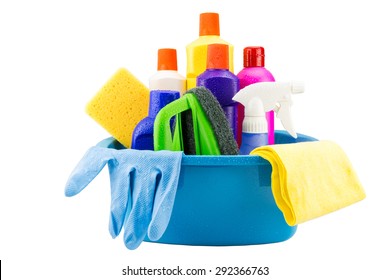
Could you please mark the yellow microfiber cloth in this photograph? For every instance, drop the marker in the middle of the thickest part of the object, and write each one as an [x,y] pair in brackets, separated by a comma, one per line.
[311,179]
[120,105]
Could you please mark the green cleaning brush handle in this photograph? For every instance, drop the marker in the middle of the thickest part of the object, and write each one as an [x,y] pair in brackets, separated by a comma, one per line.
[205,140]
[162,135]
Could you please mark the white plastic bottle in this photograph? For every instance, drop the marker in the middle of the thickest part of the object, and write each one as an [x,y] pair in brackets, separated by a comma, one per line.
[167,77]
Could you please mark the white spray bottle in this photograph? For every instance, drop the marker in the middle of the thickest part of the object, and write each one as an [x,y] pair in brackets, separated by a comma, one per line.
[262,97]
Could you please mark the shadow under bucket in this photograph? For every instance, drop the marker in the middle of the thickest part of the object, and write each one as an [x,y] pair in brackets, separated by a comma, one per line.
[225,200]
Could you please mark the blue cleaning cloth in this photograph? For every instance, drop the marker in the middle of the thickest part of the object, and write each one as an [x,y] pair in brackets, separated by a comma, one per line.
[143,189]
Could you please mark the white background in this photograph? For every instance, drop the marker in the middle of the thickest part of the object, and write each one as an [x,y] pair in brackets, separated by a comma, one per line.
[55,55]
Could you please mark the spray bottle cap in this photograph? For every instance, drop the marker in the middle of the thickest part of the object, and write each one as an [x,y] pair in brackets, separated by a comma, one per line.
[217,56]
[274,96]
[253,57]
[209,24]
[167,59]
[254,121]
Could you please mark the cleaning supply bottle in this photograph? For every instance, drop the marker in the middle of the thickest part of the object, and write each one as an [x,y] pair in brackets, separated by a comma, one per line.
[254,127]
[209,33]
[264,97]
[167,77]
[254,72]
[143,132]
[222,83]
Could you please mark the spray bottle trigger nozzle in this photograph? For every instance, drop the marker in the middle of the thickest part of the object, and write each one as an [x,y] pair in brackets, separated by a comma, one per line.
[284,114]
[274,96]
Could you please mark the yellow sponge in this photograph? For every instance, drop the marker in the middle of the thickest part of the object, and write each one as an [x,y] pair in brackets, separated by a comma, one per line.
[120,105]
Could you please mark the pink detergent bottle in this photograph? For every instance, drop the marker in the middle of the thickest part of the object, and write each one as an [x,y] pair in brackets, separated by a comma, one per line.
[254,72]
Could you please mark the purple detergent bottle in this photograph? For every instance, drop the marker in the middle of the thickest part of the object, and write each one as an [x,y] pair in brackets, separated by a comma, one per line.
[254,72]
[222,83]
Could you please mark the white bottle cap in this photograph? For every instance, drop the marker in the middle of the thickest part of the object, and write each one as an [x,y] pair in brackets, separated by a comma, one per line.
[254,120]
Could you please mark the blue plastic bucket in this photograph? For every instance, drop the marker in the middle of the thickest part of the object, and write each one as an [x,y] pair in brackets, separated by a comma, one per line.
[226,200]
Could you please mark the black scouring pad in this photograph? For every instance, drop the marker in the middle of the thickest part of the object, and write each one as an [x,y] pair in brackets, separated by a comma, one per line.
[213,110]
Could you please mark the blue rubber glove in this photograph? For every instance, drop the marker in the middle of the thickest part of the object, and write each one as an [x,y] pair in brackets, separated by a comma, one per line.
[143,189]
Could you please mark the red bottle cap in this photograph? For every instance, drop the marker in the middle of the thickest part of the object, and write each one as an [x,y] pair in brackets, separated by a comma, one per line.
[254,56]
[209,24]
[217,56]
[167,59]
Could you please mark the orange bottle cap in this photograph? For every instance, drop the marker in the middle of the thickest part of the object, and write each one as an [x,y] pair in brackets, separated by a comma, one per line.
[167,59]
[218,56]
[209,24]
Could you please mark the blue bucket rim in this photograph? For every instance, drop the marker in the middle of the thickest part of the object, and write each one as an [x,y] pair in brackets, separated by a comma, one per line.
[221,160]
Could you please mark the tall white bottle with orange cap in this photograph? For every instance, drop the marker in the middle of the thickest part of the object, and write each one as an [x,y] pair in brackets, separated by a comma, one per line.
[209,33]
[167,77]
